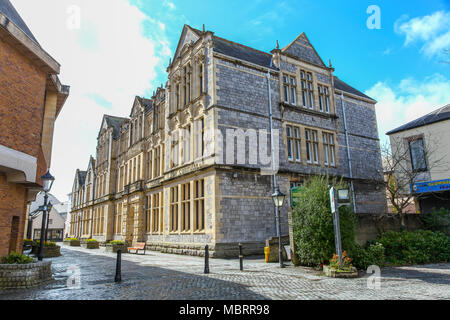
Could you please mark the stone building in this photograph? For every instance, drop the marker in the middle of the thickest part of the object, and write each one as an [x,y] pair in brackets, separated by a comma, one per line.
[191,166]
[31,97]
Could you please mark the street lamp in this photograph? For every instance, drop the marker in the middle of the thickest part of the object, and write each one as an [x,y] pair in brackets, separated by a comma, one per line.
[278,200]
[47,182]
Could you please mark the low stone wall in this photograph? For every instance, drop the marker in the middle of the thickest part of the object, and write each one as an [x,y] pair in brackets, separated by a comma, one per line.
[371,226]
[90,245]
[114,247]
[49,252]
[219,250]
[14,276]
[72,243]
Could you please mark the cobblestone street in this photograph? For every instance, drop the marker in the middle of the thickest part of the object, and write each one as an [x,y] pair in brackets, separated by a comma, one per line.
[166,276]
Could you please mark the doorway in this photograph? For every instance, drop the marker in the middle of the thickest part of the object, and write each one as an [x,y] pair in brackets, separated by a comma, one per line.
[14,234]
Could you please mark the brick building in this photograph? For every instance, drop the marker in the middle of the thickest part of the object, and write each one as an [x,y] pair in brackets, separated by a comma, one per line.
[179,173]
[31,97]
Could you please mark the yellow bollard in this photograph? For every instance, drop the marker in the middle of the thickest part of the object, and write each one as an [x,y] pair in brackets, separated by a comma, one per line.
[267,253]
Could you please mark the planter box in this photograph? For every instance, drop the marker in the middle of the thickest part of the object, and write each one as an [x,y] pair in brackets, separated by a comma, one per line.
[329,272]
[14,276]
[72,243]
[114,247]
[49,252]
[90,245]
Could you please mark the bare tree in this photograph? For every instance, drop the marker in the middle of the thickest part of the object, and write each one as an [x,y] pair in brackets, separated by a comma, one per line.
[402,169]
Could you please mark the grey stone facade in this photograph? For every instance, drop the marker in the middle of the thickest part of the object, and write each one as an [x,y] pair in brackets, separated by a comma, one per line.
[231,97]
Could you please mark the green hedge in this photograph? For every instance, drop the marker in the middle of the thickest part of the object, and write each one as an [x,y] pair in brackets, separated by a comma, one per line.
[16,258]
[313,223]
[91,240]
[418,247]
[437,220]
[46,243]
[117,242]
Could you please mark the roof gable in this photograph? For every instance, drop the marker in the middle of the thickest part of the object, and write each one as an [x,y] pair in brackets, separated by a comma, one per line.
[114,122]
[302,49]
[11,13]
[188,35]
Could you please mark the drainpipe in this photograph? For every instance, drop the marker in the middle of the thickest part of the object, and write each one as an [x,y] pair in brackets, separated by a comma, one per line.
[348,152]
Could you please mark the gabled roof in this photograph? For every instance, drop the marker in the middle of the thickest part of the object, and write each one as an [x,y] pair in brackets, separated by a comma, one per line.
[186,29]
[146,103]
[11,13]
[302,49]
[114,122]
[242,52]
[341,85]
[438,115]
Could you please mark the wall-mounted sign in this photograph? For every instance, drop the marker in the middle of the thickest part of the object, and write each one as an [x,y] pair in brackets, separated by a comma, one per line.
[295,193]
[431,186]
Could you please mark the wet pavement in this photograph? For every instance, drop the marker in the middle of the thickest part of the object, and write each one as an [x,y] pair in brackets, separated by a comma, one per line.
[83,274]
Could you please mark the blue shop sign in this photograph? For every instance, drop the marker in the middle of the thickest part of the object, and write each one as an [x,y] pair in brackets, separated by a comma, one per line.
[431,186]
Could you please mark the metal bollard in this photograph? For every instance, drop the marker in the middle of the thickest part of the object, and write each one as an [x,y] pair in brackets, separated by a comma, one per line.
[206,259]
[118,277]
[241,258]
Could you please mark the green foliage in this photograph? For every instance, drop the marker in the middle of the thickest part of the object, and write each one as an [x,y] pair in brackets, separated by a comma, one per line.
[46,243]
[313,222]
[374,254]
[16,258]
[91,240]
[71,239]
[27,242]
[418,247]
[117,242]
[437,220]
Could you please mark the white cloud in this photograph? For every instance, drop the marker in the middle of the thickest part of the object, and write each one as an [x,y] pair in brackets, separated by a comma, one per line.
[431,30]
[408,100]
[108,57]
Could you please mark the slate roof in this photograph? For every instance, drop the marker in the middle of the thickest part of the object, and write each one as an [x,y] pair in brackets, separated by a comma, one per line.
[147,103]
[242,52]
[438,115]
[341,85]
[11,13]
[115,122]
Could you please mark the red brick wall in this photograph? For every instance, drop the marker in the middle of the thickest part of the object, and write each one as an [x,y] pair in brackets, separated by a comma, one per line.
[22,91]
[12,203]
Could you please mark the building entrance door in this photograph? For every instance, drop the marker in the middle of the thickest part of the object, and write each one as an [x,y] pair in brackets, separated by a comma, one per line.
[14,234]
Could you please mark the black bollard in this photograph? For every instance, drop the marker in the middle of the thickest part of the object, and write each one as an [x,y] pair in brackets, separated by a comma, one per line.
[118,277]
[241,258]
[206,259]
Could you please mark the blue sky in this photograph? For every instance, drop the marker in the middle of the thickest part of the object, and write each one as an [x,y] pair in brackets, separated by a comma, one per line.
[337,29]
[112,50]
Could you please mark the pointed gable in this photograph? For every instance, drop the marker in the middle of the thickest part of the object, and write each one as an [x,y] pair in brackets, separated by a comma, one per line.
[188,35]
[302,49]
[142,103]
[114,122]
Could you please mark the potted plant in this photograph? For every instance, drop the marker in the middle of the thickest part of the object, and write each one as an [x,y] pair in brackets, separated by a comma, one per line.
[115,245]
[90,244]
[336,271]
[50,248]
[73,242]
[21,271]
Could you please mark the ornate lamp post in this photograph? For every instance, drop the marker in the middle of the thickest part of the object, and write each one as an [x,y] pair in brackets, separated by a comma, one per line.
[47,182]
[278,200]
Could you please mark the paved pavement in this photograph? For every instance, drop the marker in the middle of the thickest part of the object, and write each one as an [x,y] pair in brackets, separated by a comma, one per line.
[166,276]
